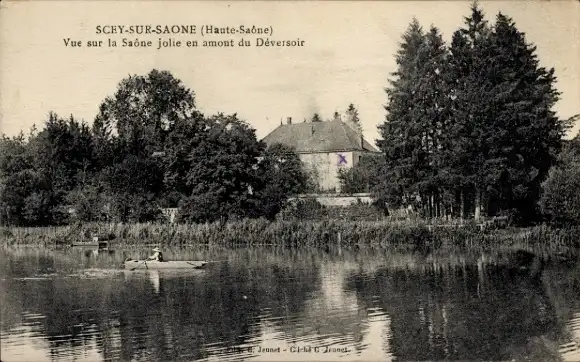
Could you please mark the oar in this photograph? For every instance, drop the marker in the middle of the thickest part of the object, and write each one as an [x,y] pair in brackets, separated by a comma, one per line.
[144,262]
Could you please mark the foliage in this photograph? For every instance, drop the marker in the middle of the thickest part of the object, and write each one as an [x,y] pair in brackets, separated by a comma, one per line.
[143,110]
[180,143]
[131,187]
[38,172]
[352,118]
[469,130]
[222,171]
[303,209]
[87,203]
[362,177]
[400,133]
[469,127]
[281,175]
[148,149]
[316,118]
[530,135]
[560,200]
[64,152]
[18,179]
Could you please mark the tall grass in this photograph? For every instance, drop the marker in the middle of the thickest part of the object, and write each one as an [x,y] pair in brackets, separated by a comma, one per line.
[326,233]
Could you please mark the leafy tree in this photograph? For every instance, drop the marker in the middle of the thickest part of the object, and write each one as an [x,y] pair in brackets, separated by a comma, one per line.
[363,177]
[560,201]
[40,209]
[143,110]
[222,171]
[38,172]
[180,143]
[141,124]
[88,203]
[64,158]
[132,186]
[352,118]
[64,152]
[149,148]
[18,179]
[282,175]
[313,178]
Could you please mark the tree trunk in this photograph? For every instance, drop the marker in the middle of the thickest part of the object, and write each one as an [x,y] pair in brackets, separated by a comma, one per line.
[477,205]
[462,204]
[451,211]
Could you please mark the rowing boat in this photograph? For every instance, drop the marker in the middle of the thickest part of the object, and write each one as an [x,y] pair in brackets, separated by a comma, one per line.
[153,264]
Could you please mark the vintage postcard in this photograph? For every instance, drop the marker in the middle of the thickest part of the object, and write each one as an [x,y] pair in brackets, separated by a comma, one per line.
[289,180]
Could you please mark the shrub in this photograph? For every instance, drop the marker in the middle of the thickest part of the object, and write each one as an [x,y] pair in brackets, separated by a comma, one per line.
[560,200]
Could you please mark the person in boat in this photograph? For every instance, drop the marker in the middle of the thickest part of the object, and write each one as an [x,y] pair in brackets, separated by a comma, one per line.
[157,255]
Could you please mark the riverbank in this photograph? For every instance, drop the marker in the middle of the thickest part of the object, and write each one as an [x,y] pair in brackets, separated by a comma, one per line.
[294,234]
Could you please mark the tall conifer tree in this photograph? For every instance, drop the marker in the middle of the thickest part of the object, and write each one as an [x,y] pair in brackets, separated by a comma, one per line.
[352,118]
[401,136]
[430,112]
[470,109]
[526,134]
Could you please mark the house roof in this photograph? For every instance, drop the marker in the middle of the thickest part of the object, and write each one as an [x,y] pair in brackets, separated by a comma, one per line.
[328,136]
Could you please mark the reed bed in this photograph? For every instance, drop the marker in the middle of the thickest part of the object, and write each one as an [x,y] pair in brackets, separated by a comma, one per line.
[325,233]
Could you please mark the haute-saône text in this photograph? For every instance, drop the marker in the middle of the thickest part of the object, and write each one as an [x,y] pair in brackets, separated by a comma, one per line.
[242,29]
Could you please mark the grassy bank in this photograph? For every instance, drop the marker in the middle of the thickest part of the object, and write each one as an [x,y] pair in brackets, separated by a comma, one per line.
[295,234]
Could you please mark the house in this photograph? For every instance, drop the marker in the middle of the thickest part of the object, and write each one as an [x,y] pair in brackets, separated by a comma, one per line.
[323,147]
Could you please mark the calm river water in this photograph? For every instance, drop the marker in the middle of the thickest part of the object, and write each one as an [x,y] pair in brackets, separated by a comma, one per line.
[283,304]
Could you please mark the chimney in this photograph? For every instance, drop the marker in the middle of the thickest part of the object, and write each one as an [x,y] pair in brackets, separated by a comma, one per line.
[289,120]
[362,142]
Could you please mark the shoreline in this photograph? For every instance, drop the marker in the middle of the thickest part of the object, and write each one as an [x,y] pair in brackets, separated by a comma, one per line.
[313,234]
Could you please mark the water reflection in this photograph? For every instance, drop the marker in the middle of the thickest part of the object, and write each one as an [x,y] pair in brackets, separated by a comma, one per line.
[451,315]
[284,304]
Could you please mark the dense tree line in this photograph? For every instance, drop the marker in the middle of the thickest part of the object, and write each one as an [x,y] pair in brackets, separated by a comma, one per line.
[469,132]
[470,129]
[148,148]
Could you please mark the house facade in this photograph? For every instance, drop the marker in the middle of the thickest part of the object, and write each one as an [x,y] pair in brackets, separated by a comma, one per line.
[323,147]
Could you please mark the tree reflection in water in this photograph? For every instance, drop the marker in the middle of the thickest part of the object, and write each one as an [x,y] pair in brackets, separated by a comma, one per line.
[483,310]
[380,305]
[159,316]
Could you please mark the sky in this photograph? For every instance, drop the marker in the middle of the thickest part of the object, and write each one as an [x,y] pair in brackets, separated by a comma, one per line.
[347,56]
